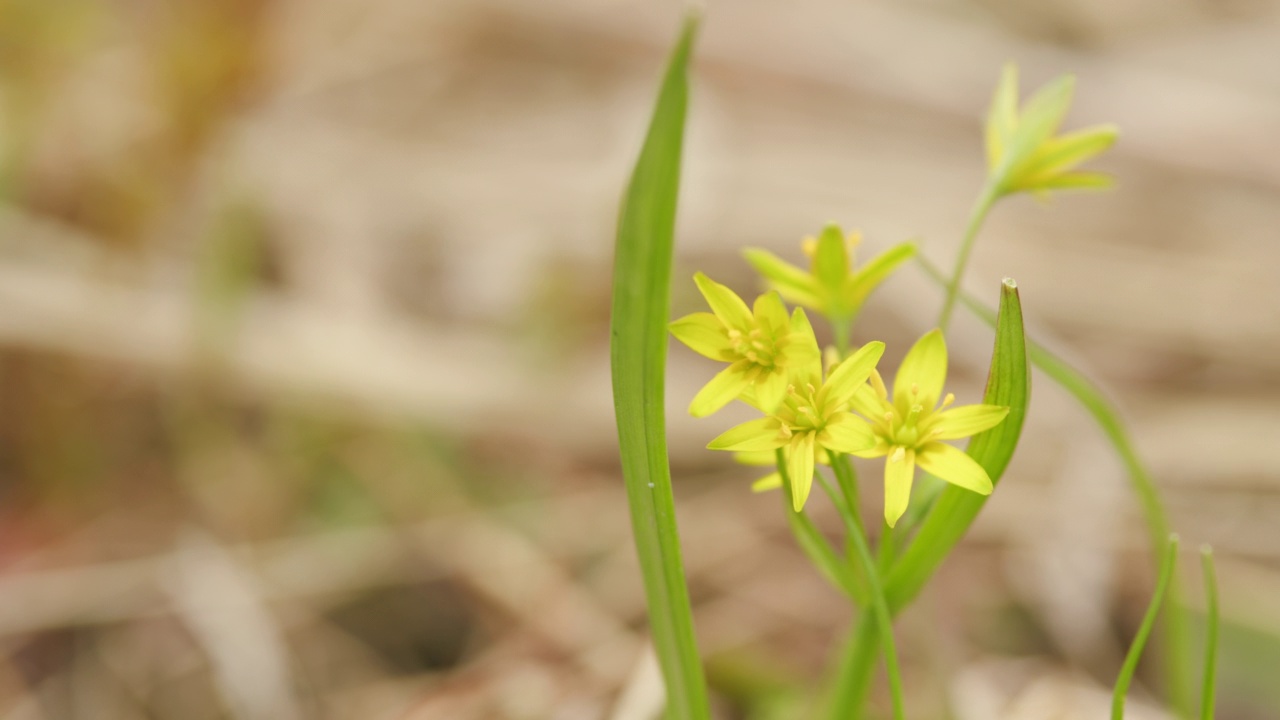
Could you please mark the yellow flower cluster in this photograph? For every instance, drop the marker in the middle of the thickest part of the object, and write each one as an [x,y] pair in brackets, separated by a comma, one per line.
[775,365]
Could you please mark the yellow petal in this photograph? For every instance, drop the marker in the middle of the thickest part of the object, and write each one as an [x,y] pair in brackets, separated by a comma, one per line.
[705,335]
[763,458]
[957,468]
[1075,181]
[847,433]
[1002,118]
[851,374]
[751,436]
[1041,116]
[967,420]
[831,259]
[770,390]
[769,311]
[870,275]
[772,481]
[880,449]
[725,303]
[923,370]
[794,284]
[1062,153]
[899,471]
[723,388]
[800,468]
[866,403]
[801,353]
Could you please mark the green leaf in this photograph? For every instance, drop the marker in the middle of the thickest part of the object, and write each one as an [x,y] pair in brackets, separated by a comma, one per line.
[1008,384]
[641,300]
[1108,418]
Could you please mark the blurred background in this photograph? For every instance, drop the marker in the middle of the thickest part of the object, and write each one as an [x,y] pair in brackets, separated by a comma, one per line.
[304,364]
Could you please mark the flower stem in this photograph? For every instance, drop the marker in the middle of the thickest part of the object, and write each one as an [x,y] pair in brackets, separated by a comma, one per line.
[840,333]
[879,607]
[815,546]
[990,193]
[1211,634]
[1144,630]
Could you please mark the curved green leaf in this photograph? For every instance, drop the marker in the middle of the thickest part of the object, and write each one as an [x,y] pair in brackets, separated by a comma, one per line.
[1008,384]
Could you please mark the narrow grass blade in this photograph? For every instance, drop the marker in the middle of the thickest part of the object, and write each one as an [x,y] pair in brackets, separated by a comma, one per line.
[641,299]
[1107,416]
[1144,630]
[1208,687]
[1008,384]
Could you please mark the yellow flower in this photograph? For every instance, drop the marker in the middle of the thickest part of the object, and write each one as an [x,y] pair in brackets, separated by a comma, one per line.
[910,427]
[831,286]
[762,346]
[1022,151]
[814,416]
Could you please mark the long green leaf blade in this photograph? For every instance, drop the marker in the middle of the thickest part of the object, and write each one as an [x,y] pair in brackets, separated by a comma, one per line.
[1008,384]
[1176,625]
[641,300]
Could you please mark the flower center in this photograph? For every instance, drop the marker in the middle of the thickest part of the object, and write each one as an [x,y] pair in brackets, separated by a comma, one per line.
[755,345]
[905,430]
[800,410]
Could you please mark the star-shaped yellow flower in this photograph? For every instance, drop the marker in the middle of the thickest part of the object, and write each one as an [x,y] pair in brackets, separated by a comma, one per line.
[813,416]
[909,427]
[762,345]
[1023,153]
[832,286]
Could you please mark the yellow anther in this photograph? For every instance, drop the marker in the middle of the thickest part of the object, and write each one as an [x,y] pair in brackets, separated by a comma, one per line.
[812,389]
[946,401]
[757,344]
[898,454]
[915,389]
[751,355]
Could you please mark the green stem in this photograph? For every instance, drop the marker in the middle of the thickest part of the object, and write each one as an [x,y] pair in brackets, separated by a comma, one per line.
[848,480]
[887,552]
[840,333]
[1144,630]
[879,607]
[1207,688]
[815,546]
[977,216]
[853,672]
